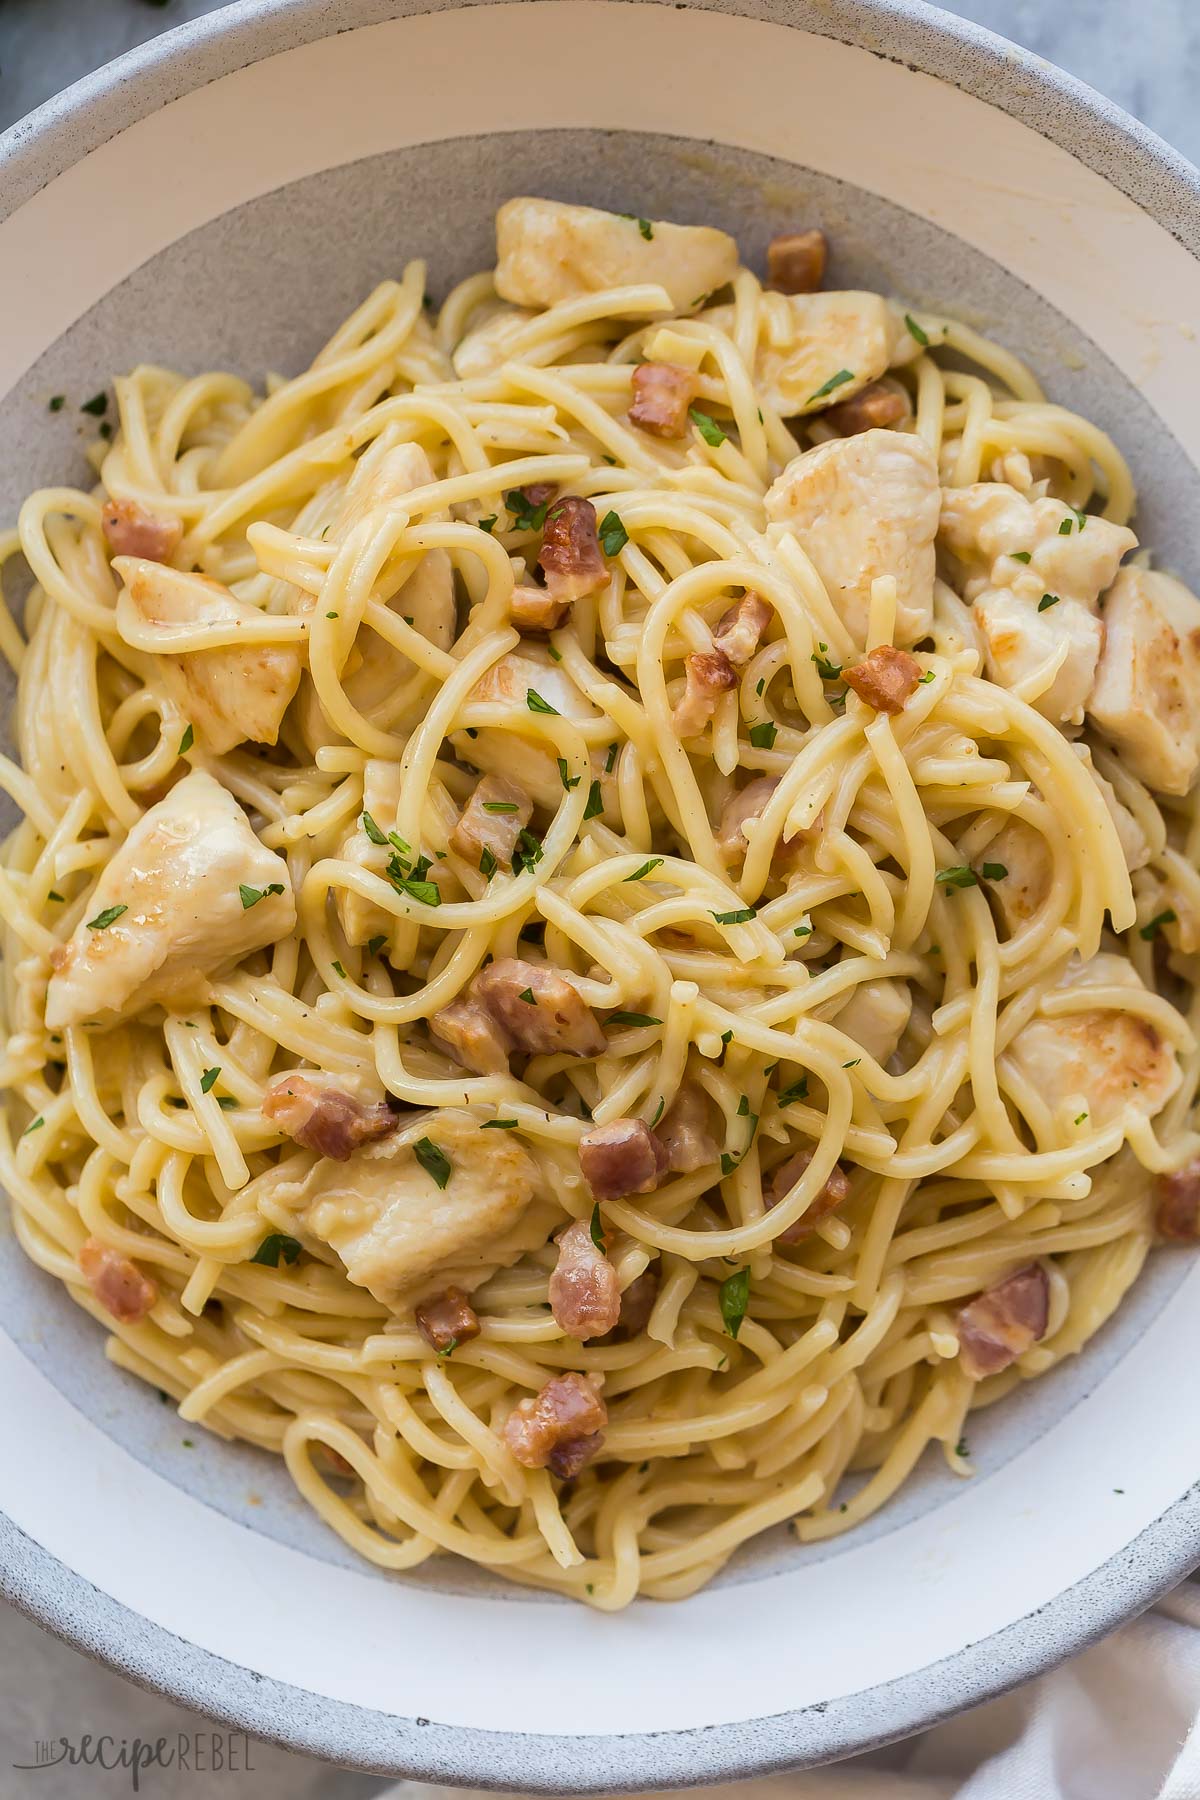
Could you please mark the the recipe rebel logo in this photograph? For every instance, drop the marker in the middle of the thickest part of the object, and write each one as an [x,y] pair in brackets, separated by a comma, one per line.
[192,1752]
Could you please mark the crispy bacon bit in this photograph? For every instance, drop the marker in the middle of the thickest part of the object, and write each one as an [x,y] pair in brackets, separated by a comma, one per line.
[585,1295]
[880,404]
[570,552]
[828,1200]
[796,263]
[662,393]
[886,678]
[535,609]
[739,630]
[709,674]
[538,1008]
[1001,1323]
[1177,1215]
[685,1134]
[447,1321]
[637,1304]
[561,1428]
[622,1157]
[325,1119]
[493,819]
[473,1037]
[132,530]
[117,1283]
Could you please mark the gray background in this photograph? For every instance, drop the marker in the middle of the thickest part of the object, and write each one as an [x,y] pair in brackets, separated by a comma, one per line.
[45,1689]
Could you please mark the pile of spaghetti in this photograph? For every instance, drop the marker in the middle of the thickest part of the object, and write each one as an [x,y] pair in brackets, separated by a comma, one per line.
[600,942]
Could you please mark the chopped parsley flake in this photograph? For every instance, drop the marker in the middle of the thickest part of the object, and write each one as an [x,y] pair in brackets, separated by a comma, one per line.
[435,1162]
[97,406]
[828,387]
[915,332]
[735,1298]
[994,871]
[536,704]
[927,677]
[57,402]
[338,969]
[487,863]
[208,1079]
[527,854]
[647,868]
[1080,1117]
[526,994]
[658,1111]
[741,915]
[763,736]
[632,1018]
[186,741]
[500,806]
[610,759]
[55,895]
[1047,601]
[375,944]
[797,1091]
[277,1245]
[488,523]
[372,830]
[613,535]
[803,930]
[597,1230]
[526,516]
[1021,556]
[828,671]
[1167,917]
[251,895]
[708,428]
[34,1125]
[498,1125]
[568,780]
[111,913]
[958,877]
[595,803]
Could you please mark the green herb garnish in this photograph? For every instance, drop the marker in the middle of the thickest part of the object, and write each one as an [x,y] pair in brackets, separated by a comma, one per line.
[632,1018]
[828,387]
[708,428]
[208,1079]
[735,1298]
[251,896]
[763,736]
[277,1245]
[613,535]
[435,1162]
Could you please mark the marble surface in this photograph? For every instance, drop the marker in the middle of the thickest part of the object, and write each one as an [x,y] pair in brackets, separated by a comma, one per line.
[47,1689]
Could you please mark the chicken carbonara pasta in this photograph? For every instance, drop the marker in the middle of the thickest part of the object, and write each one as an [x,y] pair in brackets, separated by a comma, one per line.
[601,942]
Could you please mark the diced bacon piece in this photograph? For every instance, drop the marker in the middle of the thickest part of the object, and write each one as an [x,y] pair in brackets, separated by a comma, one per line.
[538,493]
[117,1283]
[1001,1323]
[131,529]
[585,1295]
[570,552]
[708,675]
[886,678]
[493,819]
[686,1132]
[538,1008]
[1177,1215]
[881,405]
[560,1428]
[796,262]
[547,251]
[473,1037]
[447,1321]
[662,394]
[1146,696]
[622,1157]
[739,630]
[784,1179]
[535,609]
[325,1119]
[637,1303]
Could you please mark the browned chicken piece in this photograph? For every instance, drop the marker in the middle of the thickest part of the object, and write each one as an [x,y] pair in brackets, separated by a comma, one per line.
[637,1303]
[828,1200]
[538,1008]
[739,630]
[709,674]
[535,609]
[1177,1215]
[560,1428]
[740,809]
[686,1132]
[886,678]
[131,529]
[493,819]
[878,405]
[570,553]
[1001,1323]
[585,1295]
[662,394]
[796,262]
[622,1157]
[325,1119]
[473,1037]
[447,1321]
[117,1283]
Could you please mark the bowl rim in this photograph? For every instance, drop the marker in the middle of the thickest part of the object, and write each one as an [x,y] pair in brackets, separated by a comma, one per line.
[1164,185]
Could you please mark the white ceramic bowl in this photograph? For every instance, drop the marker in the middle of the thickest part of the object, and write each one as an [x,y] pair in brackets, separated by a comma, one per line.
[222,198]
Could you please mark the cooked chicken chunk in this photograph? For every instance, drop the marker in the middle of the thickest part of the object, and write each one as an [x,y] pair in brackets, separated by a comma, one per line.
[227,694]
[876,1015]
[1000,1324]
[190,892]
[662,394]
[447,1321]
[1146,696]
[535,608]
[707,675]
[686,1133]
[117,1283]
[862,507]
[131,529]
[490,342]
[785,1178]
[570,553]
[1022,891]
[585,1294]
[622,1157]
[396,1220]
[1130,834]
[320,1116]
[473,1037]
[547,252]
[561,1429]
[886,678]
[362,920]
[988,525]
[538,1008]
[817,350]
[796,262]
[1116,1060]
[1023,642]
[509,683]
[741,627]
[493,819]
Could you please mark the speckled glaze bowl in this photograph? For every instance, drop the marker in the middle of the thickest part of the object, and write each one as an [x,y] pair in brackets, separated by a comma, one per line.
[223,197]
